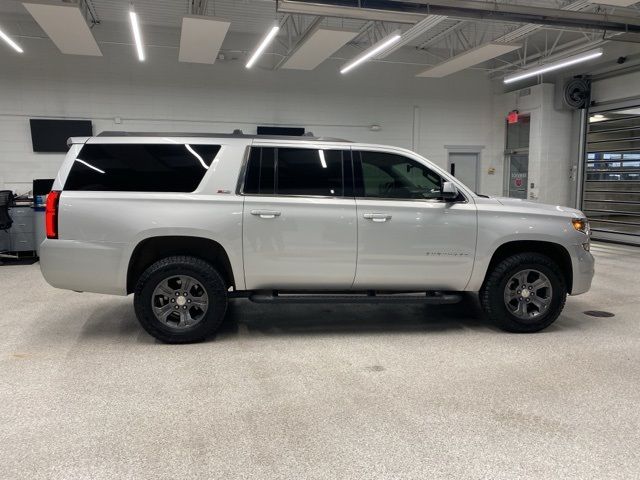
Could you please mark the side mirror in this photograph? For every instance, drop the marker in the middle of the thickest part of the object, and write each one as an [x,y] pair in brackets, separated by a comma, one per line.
[449,191]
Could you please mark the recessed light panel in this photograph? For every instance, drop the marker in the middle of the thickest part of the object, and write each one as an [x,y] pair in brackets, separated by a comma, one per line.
[467,59]
[66,27]
[201,38]
[317,47]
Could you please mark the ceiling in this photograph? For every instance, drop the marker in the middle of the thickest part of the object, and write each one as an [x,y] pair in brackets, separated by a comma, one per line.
[251,19]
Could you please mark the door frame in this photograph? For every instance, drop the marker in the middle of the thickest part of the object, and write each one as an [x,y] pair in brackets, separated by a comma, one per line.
[468,149]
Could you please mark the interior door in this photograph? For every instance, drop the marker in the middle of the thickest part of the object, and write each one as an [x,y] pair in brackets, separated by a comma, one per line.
[299,225]
[464,166]
[408,237]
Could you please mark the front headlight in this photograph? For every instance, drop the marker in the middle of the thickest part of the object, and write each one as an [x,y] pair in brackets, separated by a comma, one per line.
[581,225]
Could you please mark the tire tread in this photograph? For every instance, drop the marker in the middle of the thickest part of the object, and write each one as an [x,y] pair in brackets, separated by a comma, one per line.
[497,311]
[218,300]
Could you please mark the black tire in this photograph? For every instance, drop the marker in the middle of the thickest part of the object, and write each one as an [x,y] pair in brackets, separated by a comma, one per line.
[205,275]
[493,291]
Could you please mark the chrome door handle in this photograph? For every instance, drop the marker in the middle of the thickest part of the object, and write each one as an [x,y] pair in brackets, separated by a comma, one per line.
[377,217]
[265,213]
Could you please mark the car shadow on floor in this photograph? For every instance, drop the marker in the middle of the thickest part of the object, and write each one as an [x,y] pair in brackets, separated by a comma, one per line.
[248,319]
[305,319]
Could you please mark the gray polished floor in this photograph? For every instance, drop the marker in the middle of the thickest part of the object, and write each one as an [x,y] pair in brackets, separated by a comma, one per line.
[320,391]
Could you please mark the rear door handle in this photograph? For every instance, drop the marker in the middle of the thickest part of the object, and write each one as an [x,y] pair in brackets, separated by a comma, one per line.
[265,213]
[377,217]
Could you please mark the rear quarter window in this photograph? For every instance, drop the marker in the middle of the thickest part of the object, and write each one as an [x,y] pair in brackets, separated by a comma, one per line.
[117,167]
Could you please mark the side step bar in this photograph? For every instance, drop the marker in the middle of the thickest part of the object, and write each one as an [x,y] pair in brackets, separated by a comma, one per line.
[430,298]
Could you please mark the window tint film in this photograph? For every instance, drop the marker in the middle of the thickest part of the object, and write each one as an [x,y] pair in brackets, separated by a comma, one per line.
[303,171]
[260,178]
[140,167]
[386,175]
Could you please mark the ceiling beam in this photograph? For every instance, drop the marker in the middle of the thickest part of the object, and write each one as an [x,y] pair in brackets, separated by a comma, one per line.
[337,9]
[467,59]
[412,12]
[414,32]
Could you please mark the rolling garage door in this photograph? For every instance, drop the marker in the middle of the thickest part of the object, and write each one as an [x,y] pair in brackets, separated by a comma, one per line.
[612,183]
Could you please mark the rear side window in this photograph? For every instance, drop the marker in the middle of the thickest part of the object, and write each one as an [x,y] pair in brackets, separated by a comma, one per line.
[298,171]
[129,167]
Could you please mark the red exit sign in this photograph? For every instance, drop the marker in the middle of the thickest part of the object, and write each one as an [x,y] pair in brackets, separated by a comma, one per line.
[512,117]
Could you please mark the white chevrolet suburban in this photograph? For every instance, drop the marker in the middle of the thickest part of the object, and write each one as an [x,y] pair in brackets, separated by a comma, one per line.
[187,221]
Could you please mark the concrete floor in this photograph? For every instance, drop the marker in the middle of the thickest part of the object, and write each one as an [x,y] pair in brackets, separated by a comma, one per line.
[320,391]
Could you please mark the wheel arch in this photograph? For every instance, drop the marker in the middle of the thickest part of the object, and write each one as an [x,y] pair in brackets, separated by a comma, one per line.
[557,252]
[152,249]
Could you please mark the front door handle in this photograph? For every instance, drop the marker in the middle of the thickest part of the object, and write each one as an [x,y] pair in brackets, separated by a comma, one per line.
[377,217]
[265,213]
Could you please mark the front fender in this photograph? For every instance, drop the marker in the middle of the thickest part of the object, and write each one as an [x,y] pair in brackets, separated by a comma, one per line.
[497,228]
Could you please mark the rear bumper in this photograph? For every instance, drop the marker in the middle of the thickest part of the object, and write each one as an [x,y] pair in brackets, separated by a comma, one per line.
[583,270]
[83,266]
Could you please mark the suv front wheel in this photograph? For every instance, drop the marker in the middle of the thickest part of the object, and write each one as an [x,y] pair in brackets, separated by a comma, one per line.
[180,299]
[524,293]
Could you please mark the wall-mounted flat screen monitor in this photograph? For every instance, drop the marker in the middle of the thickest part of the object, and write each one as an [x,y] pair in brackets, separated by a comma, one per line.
[52,135]
[42,186]
[288,131]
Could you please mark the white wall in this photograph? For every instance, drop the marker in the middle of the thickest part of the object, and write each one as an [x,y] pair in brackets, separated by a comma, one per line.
[164,95]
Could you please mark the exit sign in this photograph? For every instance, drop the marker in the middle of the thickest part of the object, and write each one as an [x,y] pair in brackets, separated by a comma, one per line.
[512,117]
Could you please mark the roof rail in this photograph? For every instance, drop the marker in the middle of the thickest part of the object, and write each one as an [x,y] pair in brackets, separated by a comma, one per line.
[236,134]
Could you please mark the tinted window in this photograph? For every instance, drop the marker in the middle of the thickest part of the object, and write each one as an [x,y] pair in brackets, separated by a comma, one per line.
[140,167]
[385,175]
[303,171]
[300,171]
[260,178]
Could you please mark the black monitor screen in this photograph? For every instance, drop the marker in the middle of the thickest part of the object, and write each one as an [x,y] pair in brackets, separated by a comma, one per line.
[289,131]
[52,135]
[42,186]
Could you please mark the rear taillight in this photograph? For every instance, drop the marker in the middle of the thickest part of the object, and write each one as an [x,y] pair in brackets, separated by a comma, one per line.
[51,214]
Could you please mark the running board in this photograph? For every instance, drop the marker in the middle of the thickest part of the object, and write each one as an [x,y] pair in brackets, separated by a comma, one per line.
[430,298]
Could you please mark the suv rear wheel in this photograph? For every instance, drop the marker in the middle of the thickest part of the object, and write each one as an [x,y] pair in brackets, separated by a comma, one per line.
[524,293]
[180,299]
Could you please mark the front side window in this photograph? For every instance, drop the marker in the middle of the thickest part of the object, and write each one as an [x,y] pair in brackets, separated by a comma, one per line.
[130,167]
[296,171]
[387,175]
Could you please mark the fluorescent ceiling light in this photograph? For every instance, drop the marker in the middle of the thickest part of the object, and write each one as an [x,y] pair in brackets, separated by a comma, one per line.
[11,43]
[597,118]
[263,45]
[66,27]
[323,162]
[137,36]
[90,166]
[201,38]
[630,111]
[550,67]
[374,50]
[615,3]
[317,47]
[197,155]
[468,59]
